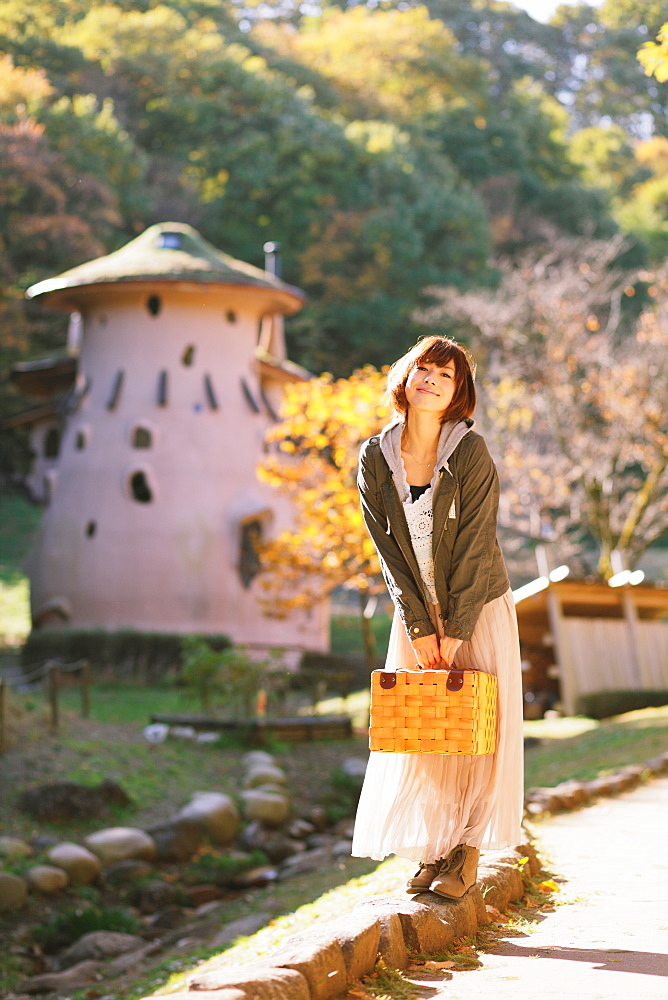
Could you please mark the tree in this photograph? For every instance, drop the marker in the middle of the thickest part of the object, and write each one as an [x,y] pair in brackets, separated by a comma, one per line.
[576,361]
[654,56]
[314,462]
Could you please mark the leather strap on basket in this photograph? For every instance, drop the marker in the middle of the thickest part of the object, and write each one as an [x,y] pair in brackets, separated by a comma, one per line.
[455,680]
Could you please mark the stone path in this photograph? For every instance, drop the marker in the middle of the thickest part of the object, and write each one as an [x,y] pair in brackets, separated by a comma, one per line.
[607,939]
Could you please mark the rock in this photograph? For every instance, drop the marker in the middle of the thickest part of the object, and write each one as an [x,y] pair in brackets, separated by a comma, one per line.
[249,982]
[99,945]
[309,861]
[424,929]
[300,829]
[63,801]
[342,848]
[216,813]
[274,843]
[171,916]
[268,807]
[128,871]
[460,917]
[501,883]
[257,758]
[318,816]
[494,915]
[345,828]
[156,895]
[120,843]
[355,767]
[131,959]
[13,847]
[264,774]
[59,982]
[198,895]
[320,962]
[177,839]
[243,927]
[81,865]
[42,842]
[358,936]
[262,875]
[46,879]
[13,892]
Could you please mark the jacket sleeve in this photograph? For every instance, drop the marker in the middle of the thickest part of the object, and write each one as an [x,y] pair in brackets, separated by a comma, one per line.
[475,543]
[397,574]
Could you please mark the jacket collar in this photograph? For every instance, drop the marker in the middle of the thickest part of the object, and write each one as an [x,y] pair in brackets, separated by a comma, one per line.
[452,433]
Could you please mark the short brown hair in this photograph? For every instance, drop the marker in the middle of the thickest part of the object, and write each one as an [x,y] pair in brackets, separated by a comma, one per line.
[437,350]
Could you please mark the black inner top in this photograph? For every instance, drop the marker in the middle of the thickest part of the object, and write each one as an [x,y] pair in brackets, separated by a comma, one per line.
[417,491]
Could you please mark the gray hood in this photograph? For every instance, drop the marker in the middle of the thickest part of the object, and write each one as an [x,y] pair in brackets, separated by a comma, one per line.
[452,432]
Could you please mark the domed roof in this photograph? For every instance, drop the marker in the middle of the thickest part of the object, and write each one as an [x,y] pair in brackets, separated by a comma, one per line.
[167,252]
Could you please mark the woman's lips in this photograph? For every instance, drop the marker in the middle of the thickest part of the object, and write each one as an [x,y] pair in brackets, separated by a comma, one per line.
[429,392]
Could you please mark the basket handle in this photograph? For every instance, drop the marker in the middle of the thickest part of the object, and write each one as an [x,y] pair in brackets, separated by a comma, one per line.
[388,679]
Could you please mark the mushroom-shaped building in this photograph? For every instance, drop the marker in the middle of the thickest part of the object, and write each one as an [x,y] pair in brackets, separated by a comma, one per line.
[155,509]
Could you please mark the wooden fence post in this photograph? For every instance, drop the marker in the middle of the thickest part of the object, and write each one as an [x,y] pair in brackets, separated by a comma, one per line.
[3,716]
[85,689]
[52,680]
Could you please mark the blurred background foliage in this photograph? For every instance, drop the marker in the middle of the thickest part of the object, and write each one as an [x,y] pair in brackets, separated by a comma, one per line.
[389,149]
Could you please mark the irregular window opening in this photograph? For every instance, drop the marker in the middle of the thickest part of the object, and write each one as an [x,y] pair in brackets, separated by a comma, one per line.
[249,551]
[91,528]
[188,355]
[116,390]
[210,392]
[141,491]
[80,441]
[142,438]
[162,389]
[52,443]
[231,316]
[154,305]
[248,396]
[170,241]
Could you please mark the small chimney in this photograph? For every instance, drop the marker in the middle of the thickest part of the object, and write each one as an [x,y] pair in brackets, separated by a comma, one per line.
[272,259]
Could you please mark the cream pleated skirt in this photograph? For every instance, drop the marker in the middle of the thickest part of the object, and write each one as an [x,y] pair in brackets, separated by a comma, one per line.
[420,806]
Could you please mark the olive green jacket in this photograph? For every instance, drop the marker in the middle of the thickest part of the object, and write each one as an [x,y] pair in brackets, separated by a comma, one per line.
[469,570]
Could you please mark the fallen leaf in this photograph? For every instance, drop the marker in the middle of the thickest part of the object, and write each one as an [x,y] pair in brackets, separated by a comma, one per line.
[549,885]
[439,965]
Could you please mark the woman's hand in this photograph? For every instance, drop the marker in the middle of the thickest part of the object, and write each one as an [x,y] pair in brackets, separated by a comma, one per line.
[427,651]
[448,648]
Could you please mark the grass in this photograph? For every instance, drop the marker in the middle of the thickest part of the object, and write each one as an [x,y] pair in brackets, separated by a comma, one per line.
[599,748]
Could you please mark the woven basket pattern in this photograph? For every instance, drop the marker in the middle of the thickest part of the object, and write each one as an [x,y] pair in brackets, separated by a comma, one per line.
[420,715]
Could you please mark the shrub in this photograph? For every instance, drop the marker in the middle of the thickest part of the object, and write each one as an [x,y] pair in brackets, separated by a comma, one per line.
[604,704]
[222,869]
[63,929]
[145,655]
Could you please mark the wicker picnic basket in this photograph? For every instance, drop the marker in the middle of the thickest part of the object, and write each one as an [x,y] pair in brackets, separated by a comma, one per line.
[433,711]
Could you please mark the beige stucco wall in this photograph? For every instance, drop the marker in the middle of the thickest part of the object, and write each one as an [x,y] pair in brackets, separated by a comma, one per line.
[171,564]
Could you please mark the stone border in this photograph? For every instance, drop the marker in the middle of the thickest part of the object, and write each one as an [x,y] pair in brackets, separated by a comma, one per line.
[325,960]
[574,794]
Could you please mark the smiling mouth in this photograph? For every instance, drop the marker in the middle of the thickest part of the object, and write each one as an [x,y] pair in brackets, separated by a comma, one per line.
[429,392]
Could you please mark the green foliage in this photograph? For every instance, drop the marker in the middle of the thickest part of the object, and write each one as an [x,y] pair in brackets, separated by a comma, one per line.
[605,704]
[341,795]
[63,929]
[218,868]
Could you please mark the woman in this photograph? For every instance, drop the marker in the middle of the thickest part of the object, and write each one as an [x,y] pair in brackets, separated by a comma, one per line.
[429,492]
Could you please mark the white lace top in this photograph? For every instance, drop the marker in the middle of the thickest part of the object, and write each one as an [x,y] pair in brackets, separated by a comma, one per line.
[420,519]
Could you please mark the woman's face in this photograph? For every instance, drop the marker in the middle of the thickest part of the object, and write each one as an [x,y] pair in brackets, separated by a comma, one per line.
[430,387]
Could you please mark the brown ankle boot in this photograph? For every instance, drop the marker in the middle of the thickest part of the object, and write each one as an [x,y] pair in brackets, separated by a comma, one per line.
[423,877]
[460,875]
